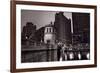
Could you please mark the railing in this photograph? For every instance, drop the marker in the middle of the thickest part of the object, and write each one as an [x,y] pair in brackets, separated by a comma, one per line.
[46,55]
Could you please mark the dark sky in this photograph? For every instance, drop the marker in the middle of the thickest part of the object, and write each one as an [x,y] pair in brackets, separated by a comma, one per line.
[40,18]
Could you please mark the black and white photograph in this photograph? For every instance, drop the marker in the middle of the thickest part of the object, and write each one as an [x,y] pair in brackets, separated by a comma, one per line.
[48,36]
[52,36]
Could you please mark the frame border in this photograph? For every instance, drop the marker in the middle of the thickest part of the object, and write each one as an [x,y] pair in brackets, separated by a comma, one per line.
[13,35]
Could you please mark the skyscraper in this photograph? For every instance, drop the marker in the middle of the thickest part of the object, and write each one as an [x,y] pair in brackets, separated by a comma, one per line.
[81,27]
[63,28]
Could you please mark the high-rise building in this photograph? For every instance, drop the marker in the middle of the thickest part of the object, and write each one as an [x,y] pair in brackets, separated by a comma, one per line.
[63,28]
[81,27]
[28,33]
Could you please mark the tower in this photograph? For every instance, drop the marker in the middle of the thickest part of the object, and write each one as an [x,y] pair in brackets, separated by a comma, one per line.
[49,34]
[63,28]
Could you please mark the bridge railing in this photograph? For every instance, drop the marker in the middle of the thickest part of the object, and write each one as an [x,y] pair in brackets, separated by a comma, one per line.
[46,55]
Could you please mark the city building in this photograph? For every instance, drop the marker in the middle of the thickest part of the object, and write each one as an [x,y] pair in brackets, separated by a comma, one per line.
[49,34]
[39,35]
[60,31]
[63,28]
[28,33]
[81,27]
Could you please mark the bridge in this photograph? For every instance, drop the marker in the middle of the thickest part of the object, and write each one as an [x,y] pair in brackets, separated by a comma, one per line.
[44,54]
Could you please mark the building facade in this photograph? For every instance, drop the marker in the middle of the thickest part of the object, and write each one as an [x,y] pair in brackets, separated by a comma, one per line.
[81,27]
[28,34]
[63,28]
[49,34]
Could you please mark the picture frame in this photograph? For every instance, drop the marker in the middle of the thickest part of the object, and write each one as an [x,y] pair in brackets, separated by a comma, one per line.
[40,12]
